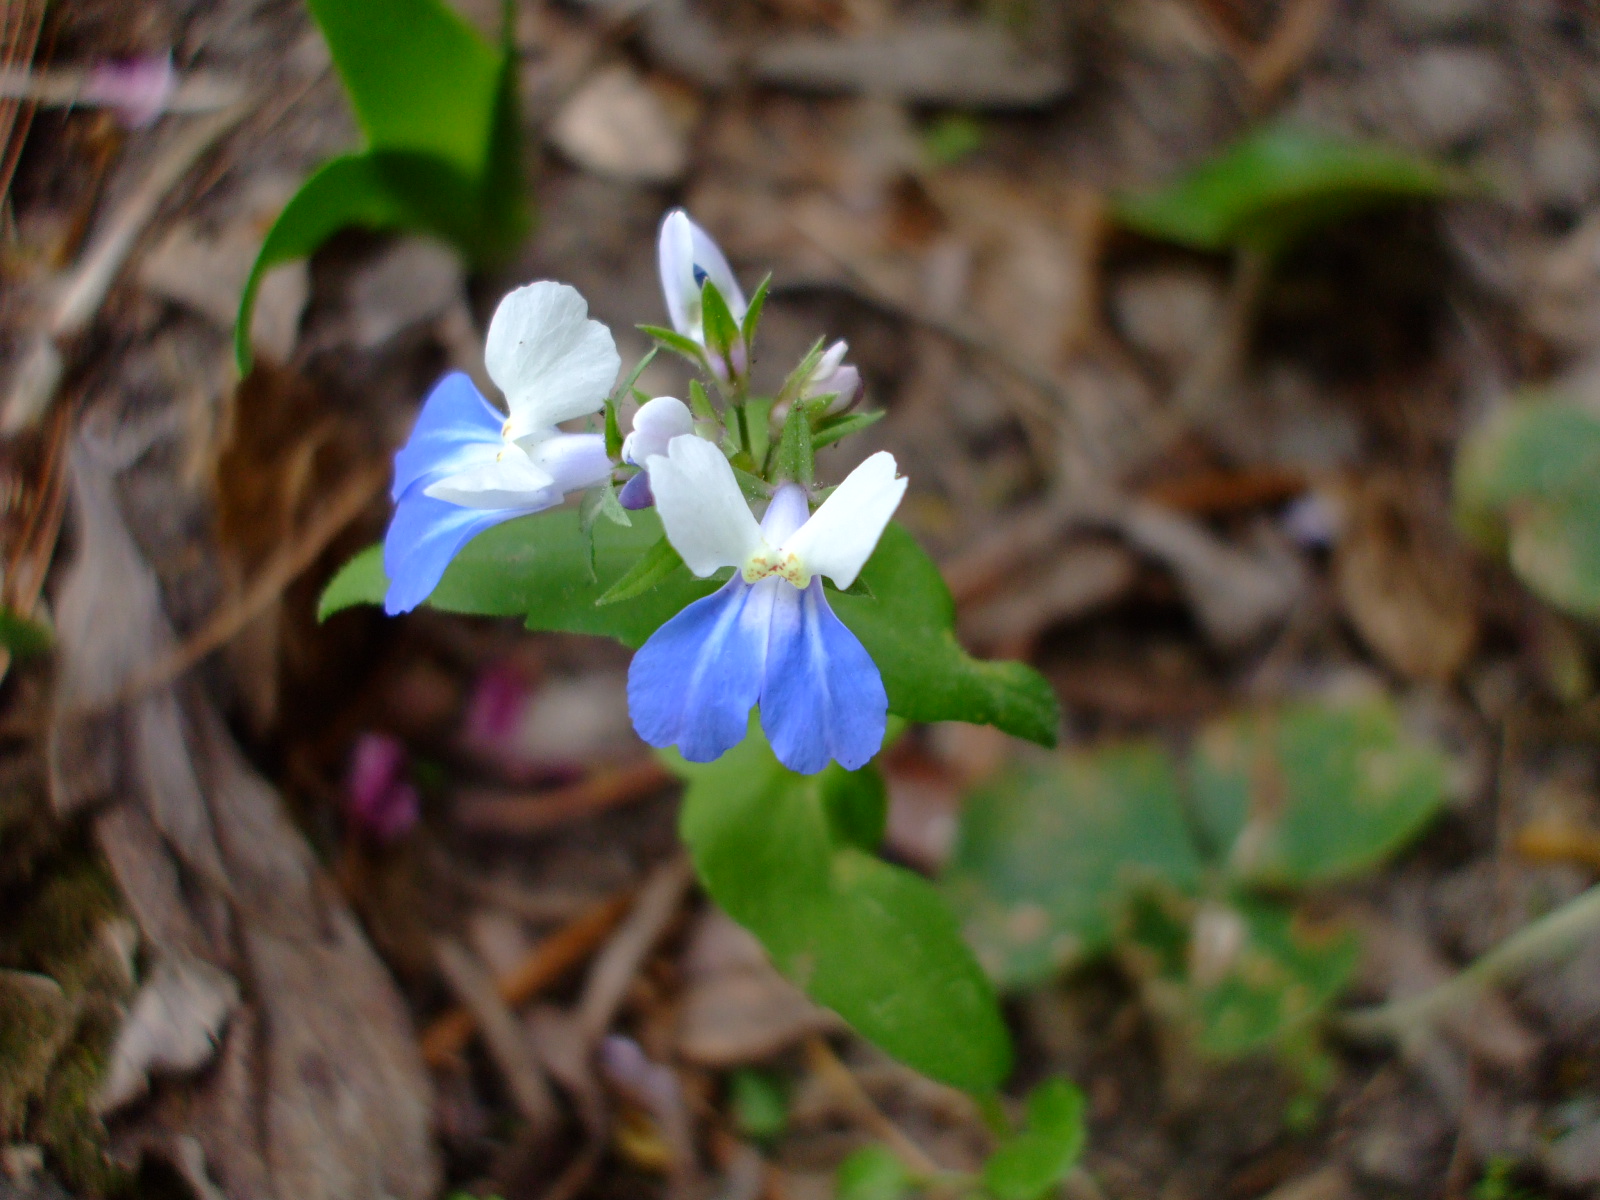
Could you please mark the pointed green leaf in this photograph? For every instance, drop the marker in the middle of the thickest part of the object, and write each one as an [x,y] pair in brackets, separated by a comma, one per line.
[700,403]
[418,76]
[795,461]
[613,430]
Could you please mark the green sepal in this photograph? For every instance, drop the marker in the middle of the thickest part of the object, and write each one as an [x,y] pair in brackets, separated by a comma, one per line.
[752,314]
[795,459]
[722,331]
[831,429]
[752,486]
[672,340]
[613,430]
[700,403]
[654,566]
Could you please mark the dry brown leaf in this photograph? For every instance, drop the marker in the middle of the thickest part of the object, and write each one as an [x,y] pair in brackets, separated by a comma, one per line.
[318,1092]
[1405,587]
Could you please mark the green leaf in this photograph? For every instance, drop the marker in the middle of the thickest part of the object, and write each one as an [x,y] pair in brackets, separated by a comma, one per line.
[1528,481]
[722,331]
[613,430]
[417,74]
[653,567]
[439,107]
[538,567]
[24,637]
[871,941]
[676,342]
[760,1104]
[1312,792]
[752,314]
[1278,184]
[1042,1155]
[908,627]
[856,804]
[831,429]
[1047,856]
[871,1173]
[700,403]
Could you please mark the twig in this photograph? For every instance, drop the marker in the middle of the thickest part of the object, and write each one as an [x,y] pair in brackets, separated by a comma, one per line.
[615,967]
[1286,49]
[827,1067]
[507,1044]
[1551,937]
[200,92]
[85,289]
[550,960]
[522,813]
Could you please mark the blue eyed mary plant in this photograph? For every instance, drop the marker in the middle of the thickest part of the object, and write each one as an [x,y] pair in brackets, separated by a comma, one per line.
[779,623]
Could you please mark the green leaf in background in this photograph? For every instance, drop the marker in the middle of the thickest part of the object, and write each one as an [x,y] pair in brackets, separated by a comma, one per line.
[1528,481]
[1046,856]
[438,107]
[539,567]
[1286,975]
[759,1102]
[857,805]
[873,942]
[23,637]
[1312,792]
[871,1173]
[1277,184]
[1041,1156]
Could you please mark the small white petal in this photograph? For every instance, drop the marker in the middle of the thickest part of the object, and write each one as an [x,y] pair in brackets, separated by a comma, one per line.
[509,480]
[675,258]
[705,515]
[549,359]
[830,360]
[842,534]
[656,423]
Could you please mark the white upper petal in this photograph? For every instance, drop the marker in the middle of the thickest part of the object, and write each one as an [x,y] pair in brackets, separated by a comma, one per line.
[509,480]
[656,423]
[675,258]
[705,515]
[842,534]
[549,359]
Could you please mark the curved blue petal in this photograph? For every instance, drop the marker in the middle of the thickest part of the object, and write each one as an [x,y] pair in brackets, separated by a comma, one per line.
[455,420]
[424,535]
[693,683]
[636,493]
[822,697]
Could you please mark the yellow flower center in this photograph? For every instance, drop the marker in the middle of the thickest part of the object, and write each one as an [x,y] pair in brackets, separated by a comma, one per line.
[766,562]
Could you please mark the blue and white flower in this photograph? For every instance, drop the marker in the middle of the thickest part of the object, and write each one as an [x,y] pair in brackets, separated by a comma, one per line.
[768,637]
[467,466]
[687,257]
[656,423]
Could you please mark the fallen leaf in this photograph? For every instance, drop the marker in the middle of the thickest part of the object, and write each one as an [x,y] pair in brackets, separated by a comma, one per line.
[173,1026]
[618,126]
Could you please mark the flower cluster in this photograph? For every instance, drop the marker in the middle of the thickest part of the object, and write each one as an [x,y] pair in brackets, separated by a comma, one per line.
[768,637]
